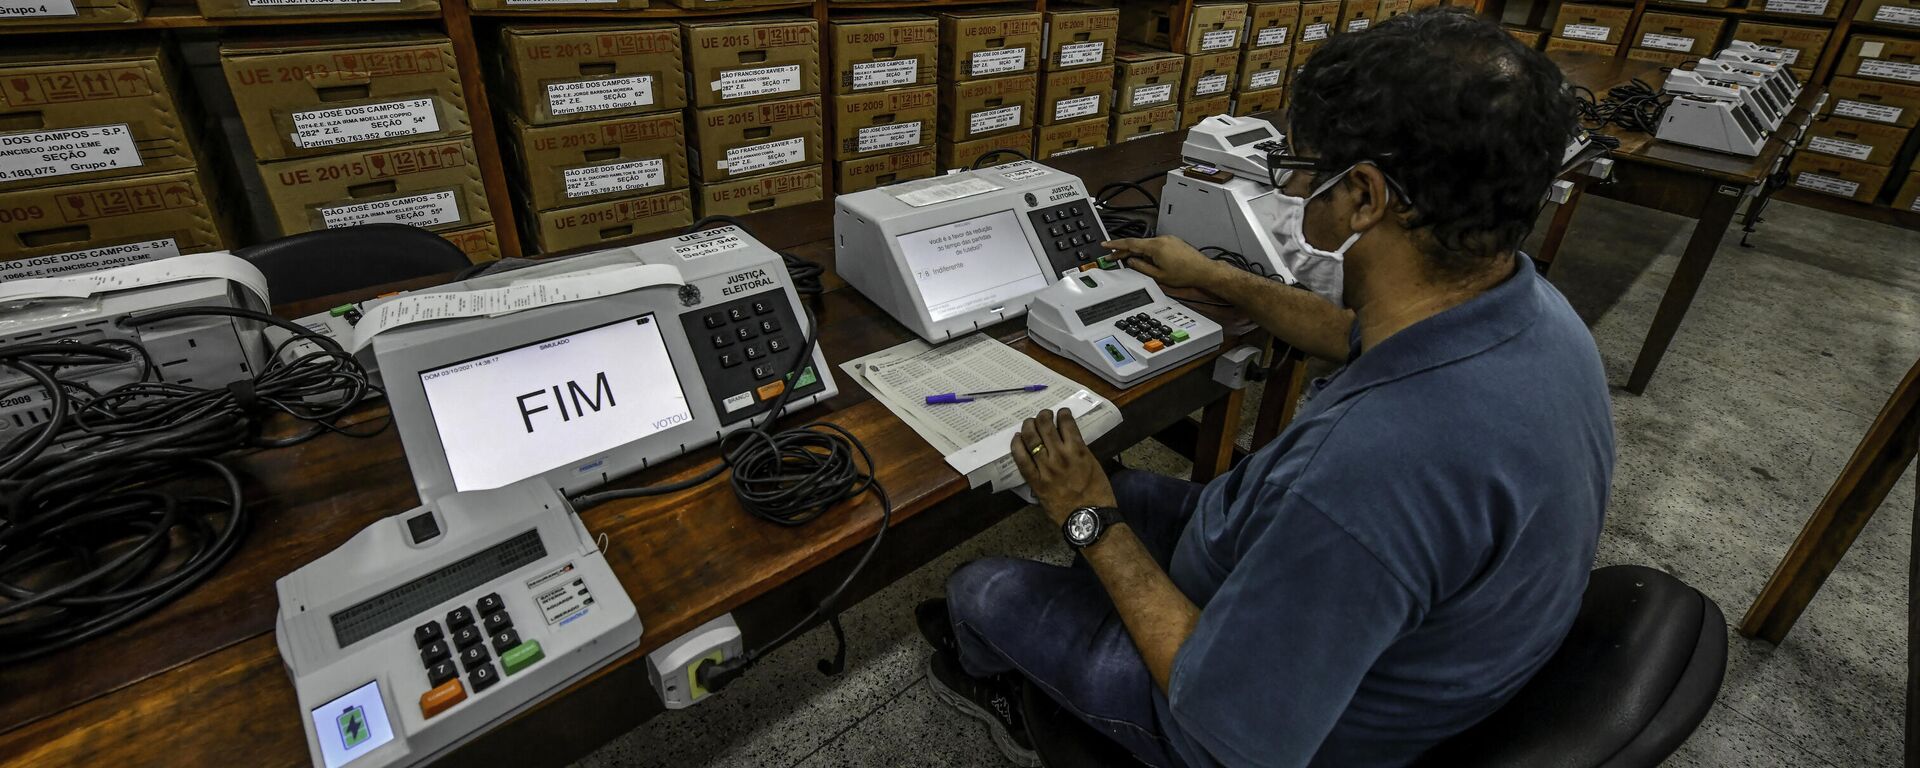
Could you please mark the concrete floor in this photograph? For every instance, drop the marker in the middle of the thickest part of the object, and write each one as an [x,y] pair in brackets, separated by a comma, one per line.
[1790,349]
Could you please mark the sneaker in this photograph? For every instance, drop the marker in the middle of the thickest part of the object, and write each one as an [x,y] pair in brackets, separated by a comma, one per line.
[989,700]
[936,625]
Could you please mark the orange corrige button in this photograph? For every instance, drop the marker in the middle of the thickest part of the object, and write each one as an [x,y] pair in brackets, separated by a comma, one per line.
[439,699]
[771,391]
[1155,346]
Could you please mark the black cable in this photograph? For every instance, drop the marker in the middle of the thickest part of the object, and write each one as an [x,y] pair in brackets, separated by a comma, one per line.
[1126,221]
[117,503]
[981,161]
[1635,106]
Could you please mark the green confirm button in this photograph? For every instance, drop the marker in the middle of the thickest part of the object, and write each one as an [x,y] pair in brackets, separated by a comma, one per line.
[518,657]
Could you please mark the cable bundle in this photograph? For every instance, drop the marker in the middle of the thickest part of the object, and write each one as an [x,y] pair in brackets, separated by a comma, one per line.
[1127,220]
[117,504]
[1635,106]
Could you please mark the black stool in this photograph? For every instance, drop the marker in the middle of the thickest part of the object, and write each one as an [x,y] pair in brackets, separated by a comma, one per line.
[1635,676]
[329,261]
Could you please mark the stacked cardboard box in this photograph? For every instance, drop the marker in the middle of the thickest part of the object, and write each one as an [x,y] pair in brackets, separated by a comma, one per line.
[1908,198]
[1801,45]
[1809,9]
[757,124]
[1673,39]
[1147,84]
[1076,82]
[989,83]
[1211,41]
[1870,111]
[97,161]
[1531,38]
[1358,15]
[1268,58]
[257,9]
[1589,28]
[595,131]
[358,129]
[1318,22]
[886,98]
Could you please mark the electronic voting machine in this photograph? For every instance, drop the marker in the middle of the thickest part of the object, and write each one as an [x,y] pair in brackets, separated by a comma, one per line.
[1224,197]
[1119,324]
[950,254]
[431,626]
[588,368]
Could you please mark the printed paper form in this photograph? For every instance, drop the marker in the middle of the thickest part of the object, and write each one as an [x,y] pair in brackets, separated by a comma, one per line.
[579,286]
[990,462]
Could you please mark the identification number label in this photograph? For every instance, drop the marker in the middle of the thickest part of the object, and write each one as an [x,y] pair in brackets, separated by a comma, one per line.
[1897,70]
[885,74]
[1079,106]
[429,210]
[1219,39]
[1879,113]
[1358,25]
[772,154]
[1316,32]
[1792,54]
[993,119]
[1271,36]
[882,137]
[1592,32]
[996,62]
[45,154]
[1831,146]
[1267,79]
[1666,42]
[1893,14]
[1827,184]
[365,122]
[1152,94]
[1079,54]
[1807,7]
[1210,84]
[615,177]
[22,9]
[89,260]
[261,3]
[758,81]
[578,96]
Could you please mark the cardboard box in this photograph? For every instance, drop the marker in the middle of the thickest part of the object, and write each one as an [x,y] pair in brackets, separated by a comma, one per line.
[93,112]
[1802,45]
[1679,33]
[988,43]
[1829,175]
[1908,198]
[1147,122]
[749,139]
[736,61]
[1358,15]
[1877,57]
[1075,94]
[240,9]
[1812,9]
[1870,143]
[766,192]
[1146,77]
[1210,28]
[432,185]
[481,244]
[75,13]
[1079,36]
[869,53]
[1067,138]
[1194,111]
[1258,102]
[1318,22]
[975,109]
[1301,53]
[1210,76]
[705,5]
[1272,25]
[575,163]
[595,224]
[1575,46]
[559,73]
[881,170]
[1586,22]
[1691,3]
[549,6]
[304,97]
[1263,68]
[884,122]
[961,154]
[106,223]
[1663,58]
[1392,8]
[1901,13]
[1873,101]
[1531,38]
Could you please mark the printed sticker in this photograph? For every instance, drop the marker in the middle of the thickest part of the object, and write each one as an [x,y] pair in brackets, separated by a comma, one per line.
[1219,39]
[429,210]
[758,81]
[998,61]
[993,119]
[1271,36]
[614,177]
[1827,184]
[22,9]
[1897,70]
[1808,7]
[882,137]
[1152,94]
[1666,42]
[1879,113]
[1832,146]
[1592,32]
[364,122]
[578,96]
[1080,54]
[1082,106]
[1267,79]
[1210,84]
[758,157]
[45,154]
[885,74]
[89,260]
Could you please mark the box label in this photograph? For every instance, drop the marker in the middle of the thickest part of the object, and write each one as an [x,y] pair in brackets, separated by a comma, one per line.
[21,9]
[881,137]
[1219,39]
[996,62]
[261,3]
[1879,113]
[89,260]
[1079,54]
[756,157]
[1142,135]
[1316,32]
[1271,36]
[1915,207]
[1792,54]
[45,154]
[1593,32]
[993,119]
[1071,151]
[1152,94]
[1808,7]
[1267,79]
[694,249]
[1827,184]
[885,74]
[615,177]
[1080,106]
[1358,25]
[1898,70]
[429,210]
[1666,42]
[1832,146]
[1893,14]
[575,97]
[365,122]
[1210,84]
[758,81]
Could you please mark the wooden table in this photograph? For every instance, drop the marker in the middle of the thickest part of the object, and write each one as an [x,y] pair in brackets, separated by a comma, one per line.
[200,681]
[1706,186]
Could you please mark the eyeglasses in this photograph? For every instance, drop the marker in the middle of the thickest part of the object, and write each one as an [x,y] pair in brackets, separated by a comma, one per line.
[1282,163]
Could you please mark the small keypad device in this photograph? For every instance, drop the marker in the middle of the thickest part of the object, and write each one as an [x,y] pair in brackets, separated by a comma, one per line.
[1072,233]
[495,626]
[748,347]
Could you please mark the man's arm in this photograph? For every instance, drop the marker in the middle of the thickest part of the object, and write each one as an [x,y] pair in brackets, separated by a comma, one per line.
[1298,317]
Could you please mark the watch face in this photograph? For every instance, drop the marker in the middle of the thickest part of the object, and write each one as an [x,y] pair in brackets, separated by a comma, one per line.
[1082,525]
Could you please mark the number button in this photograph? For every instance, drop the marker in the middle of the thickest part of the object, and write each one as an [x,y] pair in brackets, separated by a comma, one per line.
[721,340]
[426,633]
[440,673]
[475,656]
[489,604]
[434,653]
[737,314]
[769,326]
[776,346]
[497,621]
[762,306]
[743,332]
[482,678]
[763,371]
[505,639]
[754,353]
[459,617]
[466,636]
[714,320]
[729,359]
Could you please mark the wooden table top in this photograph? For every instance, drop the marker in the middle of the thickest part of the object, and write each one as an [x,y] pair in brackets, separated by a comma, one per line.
[209,658]
[1599,73]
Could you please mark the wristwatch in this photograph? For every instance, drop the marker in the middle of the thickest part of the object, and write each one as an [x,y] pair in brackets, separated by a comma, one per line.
[1085,526]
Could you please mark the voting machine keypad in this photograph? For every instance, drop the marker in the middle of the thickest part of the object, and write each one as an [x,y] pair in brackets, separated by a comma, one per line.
[1071,233]
[1153,334]
[470,648]
[746,349]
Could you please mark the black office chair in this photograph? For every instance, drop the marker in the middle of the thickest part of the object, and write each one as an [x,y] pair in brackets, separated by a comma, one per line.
[329,261]
[1635,676]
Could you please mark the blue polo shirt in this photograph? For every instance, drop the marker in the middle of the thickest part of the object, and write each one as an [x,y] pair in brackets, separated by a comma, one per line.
[1408,552]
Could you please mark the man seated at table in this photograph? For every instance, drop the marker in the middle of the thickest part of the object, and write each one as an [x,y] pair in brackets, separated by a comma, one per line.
[1413,547]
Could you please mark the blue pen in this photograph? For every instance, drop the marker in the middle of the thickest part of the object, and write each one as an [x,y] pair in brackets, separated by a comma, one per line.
[967,397]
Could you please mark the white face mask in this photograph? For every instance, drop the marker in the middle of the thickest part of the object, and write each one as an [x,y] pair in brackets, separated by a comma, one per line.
[1320,271]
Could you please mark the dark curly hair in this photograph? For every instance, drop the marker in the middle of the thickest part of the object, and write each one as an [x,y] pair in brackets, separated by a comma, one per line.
[1470,123]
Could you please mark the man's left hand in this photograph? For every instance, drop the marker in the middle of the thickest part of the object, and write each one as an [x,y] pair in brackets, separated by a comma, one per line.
[1058,466]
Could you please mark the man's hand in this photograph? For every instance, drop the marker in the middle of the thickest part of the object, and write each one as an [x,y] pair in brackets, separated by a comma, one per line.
[1168,260]
[1058,466]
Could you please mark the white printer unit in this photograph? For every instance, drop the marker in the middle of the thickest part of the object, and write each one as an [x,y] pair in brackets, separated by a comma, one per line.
[1224,198]
[1120,325]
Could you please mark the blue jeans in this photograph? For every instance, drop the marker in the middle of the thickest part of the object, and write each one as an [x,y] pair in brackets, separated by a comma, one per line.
[1058,628]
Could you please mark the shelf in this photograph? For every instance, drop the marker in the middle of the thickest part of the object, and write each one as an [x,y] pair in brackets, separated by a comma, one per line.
[658,12]
[177,17]
[1871,212]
